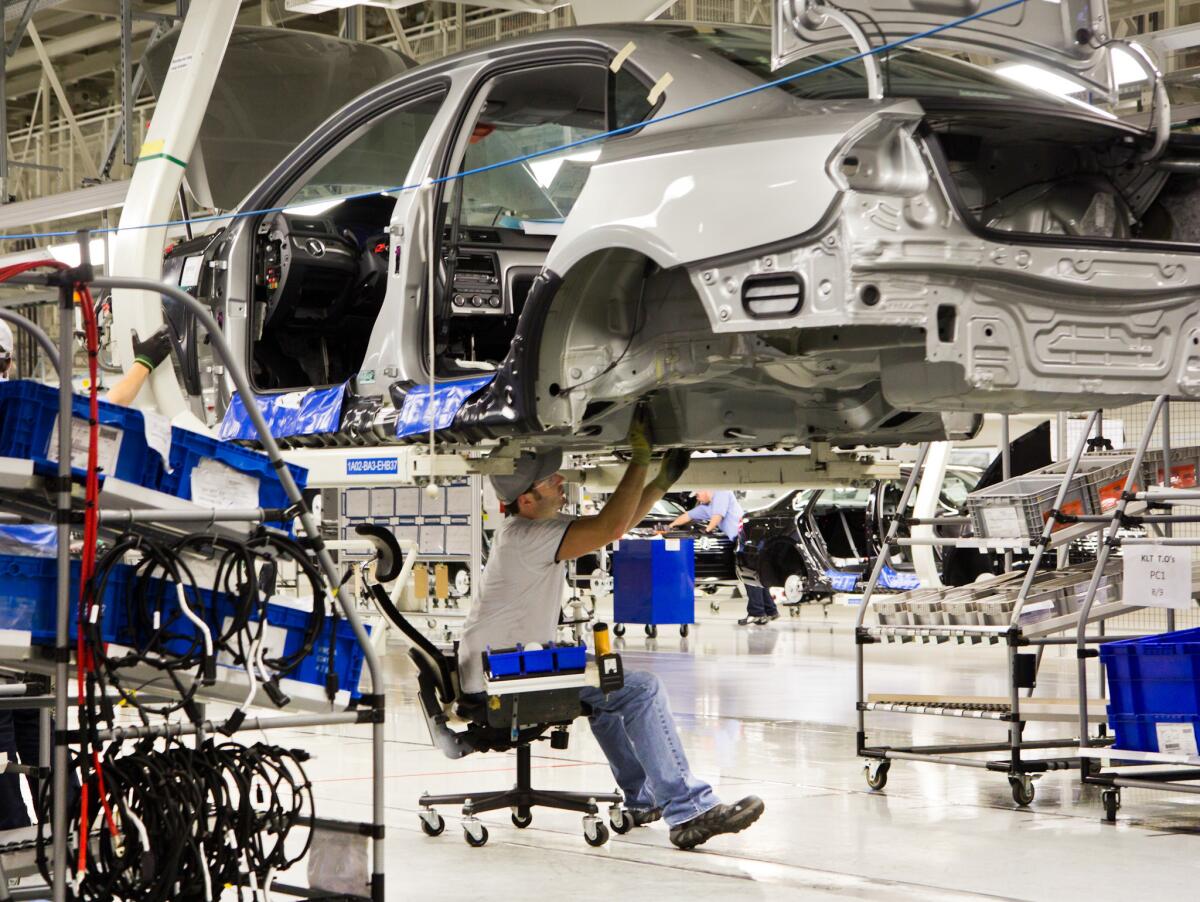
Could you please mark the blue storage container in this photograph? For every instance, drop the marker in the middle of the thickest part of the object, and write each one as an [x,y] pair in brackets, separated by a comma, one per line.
[348,655]
[29,598]
[654,581]
[538,660]
[1140,732]
[1155,674]
[28,411]
[188,449]
[504,663]
[571,657]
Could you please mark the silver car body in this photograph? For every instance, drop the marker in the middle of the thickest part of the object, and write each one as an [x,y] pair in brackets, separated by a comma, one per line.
[908,319]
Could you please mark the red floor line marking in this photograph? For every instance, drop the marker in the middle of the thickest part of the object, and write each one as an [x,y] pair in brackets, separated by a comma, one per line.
[447,773]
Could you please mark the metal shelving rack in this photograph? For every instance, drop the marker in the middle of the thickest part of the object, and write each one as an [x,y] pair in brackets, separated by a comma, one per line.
[1157,770]
[1015,711]
[153,511]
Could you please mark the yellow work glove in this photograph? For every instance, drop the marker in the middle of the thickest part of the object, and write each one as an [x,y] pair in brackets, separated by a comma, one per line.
[639,438]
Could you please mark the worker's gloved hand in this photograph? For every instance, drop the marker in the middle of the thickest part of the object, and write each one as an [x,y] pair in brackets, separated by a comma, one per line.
[674,465]
[154,350]
[639,438]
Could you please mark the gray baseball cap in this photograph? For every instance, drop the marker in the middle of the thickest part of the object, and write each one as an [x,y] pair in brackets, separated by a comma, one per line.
[529,468]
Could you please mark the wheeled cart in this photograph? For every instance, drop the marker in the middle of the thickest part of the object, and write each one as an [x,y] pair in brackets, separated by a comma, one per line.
[654,583]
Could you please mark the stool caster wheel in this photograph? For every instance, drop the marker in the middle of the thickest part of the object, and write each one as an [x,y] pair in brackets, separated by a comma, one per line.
[683,630]
[475,833]
[431,822]
[651,631]
[594,831]
[522,818]
[620,820]
[876,773]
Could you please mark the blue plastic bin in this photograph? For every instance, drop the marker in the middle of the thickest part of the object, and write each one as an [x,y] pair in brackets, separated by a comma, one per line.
[1139,732]
[539,660]
[571,657]
[348,655]
[654,581]
[504,663]
[28,411]
[29,598]
[188,449]
[1154,675]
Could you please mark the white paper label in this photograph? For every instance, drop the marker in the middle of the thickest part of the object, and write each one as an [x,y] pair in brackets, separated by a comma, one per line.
[180,62]
[1158,576]
[158,436]
[108,446]
[218,486]
[1176,738]
[1003,523]
[671,544]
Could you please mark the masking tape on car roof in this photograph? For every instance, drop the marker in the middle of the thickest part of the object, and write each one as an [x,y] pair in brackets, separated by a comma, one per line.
[659,86]
[619,59]
[591,139]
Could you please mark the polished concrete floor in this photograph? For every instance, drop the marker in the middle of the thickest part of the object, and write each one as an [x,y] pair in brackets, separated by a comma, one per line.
[770,710]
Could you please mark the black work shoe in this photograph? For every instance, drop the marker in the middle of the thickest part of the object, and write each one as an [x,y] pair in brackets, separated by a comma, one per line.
[643,816]
[774,616]
[746,621]
[762,621]
[719,819]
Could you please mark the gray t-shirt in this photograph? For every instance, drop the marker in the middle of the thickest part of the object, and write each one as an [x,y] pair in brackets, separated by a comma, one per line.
[520,595]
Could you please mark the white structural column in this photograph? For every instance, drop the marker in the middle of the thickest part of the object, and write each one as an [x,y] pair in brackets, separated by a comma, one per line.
[168,145]
[928,492]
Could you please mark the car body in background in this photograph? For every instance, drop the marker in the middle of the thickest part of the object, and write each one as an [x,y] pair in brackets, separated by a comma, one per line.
[800,264]
[810,543]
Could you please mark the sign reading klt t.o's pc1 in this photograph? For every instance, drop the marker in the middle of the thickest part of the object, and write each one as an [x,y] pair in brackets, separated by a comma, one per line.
[1158,576]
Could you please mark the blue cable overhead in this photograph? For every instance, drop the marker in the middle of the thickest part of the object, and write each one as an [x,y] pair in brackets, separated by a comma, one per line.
[591,139]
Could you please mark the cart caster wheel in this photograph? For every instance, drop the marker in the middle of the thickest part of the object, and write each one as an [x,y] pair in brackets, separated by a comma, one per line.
[619,629]
[683,630]
[432,823]
[1022,789]
[475,833]
[651,631]
[1112,804]
[594,831]
[620,820]
[715,607]
[522,818]
[794,610]
[877,773]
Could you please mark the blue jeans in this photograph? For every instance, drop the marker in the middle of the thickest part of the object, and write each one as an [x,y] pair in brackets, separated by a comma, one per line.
[759,602]
[635,729]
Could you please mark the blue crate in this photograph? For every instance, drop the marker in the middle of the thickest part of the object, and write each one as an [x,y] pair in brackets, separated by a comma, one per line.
[570,657]
[1139,732]
[189,448]
[654,582]
[348,654]
[29,598]
[28,411]
[1154,675]
[538,660]
[504,663]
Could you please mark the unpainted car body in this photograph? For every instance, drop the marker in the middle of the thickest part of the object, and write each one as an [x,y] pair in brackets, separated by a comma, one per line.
[800,264]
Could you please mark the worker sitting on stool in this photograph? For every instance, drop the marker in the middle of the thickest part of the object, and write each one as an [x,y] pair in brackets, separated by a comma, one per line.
[723,512]
[519,600]
[147,355]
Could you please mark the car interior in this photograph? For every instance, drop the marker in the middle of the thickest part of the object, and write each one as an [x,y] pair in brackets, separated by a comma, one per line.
[321,265]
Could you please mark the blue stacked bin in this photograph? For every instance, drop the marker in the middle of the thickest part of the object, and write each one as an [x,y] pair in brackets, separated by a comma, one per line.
[654,583]
[1152,680]
[28,598]
[29,410]
[188,449]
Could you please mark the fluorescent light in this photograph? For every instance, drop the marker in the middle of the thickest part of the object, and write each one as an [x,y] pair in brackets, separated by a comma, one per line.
[1040,79]
[313,208]
[69,253]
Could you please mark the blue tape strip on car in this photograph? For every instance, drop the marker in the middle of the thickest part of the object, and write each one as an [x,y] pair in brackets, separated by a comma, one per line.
[562,148]
[310,412]
[448,398]
[29,540]
[842,581]
[897,581]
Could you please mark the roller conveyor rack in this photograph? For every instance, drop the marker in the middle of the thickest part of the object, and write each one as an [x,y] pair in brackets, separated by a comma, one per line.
[26,496]
[1025,611]
[1102,764]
